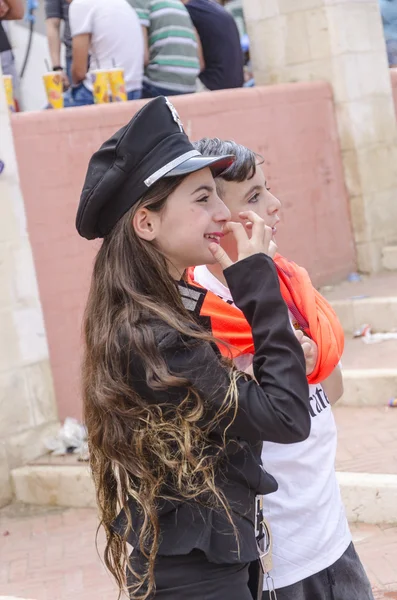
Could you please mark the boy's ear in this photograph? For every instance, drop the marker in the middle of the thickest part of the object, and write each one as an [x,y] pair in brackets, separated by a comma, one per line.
[144,222]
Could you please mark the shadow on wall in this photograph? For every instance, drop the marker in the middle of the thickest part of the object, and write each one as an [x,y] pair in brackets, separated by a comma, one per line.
[292,126]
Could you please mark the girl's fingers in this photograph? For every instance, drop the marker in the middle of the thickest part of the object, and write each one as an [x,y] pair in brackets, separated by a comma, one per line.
[257,226]
[240,235]
[272,249]
[220,255]
[307,348]
[299,335]
[267,238]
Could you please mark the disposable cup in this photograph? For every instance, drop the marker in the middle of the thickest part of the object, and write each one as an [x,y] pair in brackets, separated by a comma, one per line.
[54,87]
[7,80]
[117,85]
[100,85]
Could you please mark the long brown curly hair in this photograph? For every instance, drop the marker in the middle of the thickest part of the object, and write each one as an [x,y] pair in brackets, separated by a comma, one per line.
[137,449]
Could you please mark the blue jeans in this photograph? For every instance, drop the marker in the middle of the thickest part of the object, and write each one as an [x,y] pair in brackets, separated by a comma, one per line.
[68,68]
[81,96]
[149,90]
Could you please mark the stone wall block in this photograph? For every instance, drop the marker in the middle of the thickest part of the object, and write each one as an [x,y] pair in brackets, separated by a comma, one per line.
[378,169]
[6,270]
[362,225]
[349,28]
[5,482]
[15,407]
[352,175]
[260,10]
[28,445]
[273,31]
[26,290]
[10,355]
[369,256]
[370,121]
[383,215]
[297,47]
[41,392]
[8,225]
[367,65]
[288,6]
[345,78]
[318,34]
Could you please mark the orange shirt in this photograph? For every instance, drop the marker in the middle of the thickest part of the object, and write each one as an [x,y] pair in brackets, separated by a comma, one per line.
[311,312]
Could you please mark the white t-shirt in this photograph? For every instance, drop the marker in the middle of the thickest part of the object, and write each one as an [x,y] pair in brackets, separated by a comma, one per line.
[116,37]
[306,514]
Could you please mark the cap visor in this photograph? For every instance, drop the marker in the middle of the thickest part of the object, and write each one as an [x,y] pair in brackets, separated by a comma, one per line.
[217,164]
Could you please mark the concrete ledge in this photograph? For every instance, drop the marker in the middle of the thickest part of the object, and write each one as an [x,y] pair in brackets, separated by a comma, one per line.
[369,498]
[54,486]
[368,387]
[389,258]
[380,313]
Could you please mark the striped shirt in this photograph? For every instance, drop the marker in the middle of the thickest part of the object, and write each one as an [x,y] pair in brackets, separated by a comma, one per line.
[173,53]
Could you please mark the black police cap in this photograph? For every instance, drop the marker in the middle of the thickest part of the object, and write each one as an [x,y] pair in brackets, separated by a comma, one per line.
[153,145]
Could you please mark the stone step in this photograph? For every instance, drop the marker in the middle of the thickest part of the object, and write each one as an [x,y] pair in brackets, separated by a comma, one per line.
[372,300]
[54,485]
[389,258]
[366,464]
[369,497]
[369,387]
[369,372]
[378,312]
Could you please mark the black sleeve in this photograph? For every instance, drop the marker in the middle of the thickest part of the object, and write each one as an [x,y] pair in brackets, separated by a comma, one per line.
[276,408]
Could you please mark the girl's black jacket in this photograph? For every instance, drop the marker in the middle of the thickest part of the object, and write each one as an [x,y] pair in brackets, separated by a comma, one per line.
[274,409]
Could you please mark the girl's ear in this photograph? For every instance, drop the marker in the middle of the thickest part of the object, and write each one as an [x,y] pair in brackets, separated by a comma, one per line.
[144,223]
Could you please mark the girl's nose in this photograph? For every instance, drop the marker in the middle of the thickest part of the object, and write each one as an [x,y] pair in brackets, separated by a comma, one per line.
[274,205]
[222,212]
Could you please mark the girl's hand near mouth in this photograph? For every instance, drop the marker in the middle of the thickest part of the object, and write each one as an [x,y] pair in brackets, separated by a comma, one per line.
[260,240]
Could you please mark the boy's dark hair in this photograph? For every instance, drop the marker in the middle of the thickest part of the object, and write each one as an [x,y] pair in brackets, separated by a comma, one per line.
[244,167]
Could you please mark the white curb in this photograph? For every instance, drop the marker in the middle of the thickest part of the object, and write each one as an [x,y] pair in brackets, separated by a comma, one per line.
[369,497]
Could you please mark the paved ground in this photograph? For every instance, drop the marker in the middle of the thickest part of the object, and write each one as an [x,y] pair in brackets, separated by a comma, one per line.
[49,554]
[382,284]
[359,355]
[367,440]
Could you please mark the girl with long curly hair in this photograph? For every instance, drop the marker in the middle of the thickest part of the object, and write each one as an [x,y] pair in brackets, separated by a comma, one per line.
[175,431]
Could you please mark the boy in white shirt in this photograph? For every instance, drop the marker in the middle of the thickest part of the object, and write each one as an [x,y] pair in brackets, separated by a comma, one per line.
[106,33]
[313,555]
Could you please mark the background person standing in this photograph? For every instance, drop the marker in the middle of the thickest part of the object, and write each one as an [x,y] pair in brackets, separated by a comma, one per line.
[57,11]
[220,41]
[108,32]
[388,9]
[172,53]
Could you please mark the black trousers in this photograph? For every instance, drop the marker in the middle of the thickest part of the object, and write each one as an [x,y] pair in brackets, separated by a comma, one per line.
[344,580]
[192,577]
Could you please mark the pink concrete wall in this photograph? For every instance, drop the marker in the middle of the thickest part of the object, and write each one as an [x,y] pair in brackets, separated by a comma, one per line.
[292,126]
